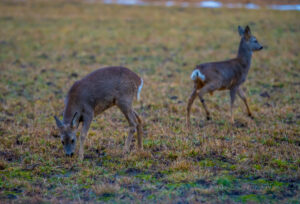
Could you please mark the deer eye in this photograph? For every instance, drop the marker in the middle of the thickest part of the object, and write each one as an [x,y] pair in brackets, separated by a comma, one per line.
[63,143]
[72,141]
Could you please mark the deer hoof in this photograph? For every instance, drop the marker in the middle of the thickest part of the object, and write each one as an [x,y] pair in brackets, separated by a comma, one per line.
[188,127]
[208,118]
[125,150]
[188,124]
[80,158]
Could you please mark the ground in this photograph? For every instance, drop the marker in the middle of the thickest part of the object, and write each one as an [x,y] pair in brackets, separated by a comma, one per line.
[46,46]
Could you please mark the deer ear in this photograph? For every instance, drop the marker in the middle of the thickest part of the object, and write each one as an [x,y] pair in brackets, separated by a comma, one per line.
[241,31]
[247,32]
[74,120]
[58,122]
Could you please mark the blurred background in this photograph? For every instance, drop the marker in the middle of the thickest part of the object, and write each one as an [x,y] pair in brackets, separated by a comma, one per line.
[254,4]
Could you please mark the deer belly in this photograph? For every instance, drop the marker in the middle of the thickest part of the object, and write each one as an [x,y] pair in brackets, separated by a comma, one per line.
[100,107]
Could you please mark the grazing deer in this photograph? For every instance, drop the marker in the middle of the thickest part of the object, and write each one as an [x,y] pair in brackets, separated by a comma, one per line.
[92,95]
[224,75]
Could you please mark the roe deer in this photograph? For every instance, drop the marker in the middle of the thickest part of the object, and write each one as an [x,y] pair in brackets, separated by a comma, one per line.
[224,75]
[92,95]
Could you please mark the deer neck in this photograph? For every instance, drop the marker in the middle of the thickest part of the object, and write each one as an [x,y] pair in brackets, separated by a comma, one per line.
[244,55]
[69,112]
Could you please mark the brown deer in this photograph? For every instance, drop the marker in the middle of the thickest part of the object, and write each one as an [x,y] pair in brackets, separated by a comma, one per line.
[224,75]
[92,95]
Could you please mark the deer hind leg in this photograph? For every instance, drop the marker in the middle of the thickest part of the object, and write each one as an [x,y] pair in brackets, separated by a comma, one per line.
[126,109]
[139,131]
[208,88]
[242,95]
[232,99]
[205,107]
[189,106]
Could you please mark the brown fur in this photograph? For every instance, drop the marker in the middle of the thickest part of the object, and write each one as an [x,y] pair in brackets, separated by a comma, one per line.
[225,75]
[95,93]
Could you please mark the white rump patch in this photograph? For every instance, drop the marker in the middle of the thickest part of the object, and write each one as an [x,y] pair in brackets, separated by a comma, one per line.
[140,89]
[196,73]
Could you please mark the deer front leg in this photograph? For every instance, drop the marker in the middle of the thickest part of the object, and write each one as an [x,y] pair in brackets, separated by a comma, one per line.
[189,106]
[232,99]
[242,95]
[85,127]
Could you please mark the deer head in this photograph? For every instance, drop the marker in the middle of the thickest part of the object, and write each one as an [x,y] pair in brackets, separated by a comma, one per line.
[68,134]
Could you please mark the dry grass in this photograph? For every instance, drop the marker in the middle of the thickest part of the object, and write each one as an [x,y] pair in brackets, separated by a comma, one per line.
[105,189]
[46,46]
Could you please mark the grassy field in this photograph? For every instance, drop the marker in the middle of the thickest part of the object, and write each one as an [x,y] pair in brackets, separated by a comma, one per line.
[47,46]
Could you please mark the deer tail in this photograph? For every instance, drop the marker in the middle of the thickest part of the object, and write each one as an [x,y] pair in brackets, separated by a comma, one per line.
[197,74]
[140,89]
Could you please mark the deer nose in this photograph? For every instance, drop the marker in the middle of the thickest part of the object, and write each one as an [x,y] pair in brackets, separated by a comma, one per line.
[261,47]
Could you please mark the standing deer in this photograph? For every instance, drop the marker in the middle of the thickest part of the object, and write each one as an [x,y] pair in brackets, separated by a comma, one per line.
[224,75]
[92,95]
